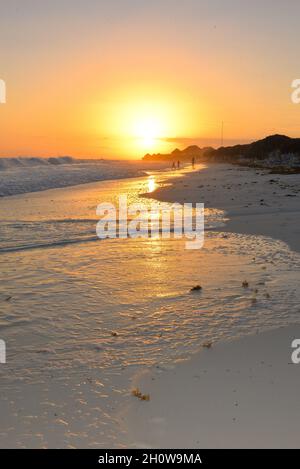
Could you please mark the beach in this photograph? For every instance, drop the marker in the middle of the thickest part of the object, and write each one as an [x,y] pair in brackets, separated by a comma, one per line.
[240,393]
[84,318]
[256,201]
[149,228]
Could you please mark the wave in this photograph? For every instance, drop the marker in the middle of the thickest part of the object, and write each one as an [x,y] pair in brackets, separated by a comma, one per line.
[23,162]
[47,245]
[24,235]
[23,175]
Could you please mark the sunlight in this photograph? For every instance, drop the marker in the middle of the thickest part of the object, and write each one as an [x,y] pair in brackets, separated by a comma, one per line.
[134,120]
[151,184]
[148,127]
[148,130]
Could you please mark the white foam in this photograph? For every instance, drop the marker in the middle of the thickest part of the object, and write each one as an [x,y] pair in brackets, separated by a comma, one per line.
[22,175]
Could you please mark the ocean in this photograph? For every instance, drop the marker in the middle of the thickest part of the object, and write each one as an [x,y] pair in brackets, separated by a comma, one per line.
[82,316]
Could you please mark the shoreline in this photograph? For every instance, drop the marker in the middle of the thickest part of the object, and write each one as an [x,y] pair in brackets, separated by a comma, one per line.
[254,201]
[150,330]
[238,393]
[31,180]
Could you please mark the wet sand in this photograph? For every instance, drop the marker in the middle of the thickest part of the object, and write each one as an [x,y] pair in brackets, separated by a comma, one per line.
[67,375]
[241,393]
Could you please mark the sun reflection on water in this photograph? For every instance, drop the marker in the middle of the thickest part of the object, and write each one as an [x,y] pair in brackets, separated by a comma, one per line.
[152,185]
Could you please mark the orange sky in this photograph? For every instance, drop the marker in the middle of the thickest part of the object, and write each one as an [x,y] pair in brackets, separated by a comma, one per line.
[119,79]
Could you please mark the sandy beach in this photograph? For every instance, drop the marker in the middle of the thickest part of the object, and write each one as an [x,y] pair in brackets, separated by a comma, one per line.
[241,394]
[80,334]
[255,201]
[237,393]
[127,318]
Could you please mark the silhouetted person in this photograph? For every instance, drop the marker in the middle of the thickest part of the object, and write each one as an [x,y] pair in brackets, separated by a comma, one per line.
[193,162]
[178,164]
[173,165]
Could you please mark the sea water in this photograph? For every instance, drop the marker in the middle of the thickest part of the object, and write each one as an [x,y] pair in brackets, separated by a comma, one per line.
[80,316]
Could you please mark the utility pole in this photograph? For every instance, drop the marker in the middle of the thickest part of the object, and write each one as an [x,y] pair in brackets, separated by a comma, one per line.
[222,133]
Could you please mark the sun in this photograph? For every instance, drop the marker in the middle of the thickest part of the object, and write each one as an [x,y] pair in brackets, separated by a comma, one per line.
[142,118]
[137,122]
[148,130]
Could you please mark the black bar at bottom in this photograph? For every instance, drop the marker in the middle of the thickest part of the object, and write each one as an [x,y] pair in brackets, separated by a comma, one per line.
[135,457]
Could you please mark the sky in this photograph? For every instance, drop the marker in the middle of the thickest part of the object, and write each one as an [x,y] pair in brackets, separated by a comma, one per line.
[121,78]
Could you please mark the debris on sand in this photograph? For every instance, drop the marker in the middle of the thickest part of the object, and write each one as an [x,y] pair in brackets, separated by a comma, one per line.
[114,334]
[207,345]
[245,284]
[137,393]
[196,288]
[7,298]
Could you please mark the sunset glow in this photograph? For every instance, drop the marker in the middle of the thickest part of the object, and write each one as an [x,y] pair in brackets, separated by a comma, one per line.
[148,130]
[119,90]
[142,118]
[149,230]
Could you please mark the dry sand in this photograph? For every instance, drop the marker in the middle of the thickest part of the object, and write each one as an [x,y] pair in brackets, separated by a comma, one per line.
[242,393]
[255,201]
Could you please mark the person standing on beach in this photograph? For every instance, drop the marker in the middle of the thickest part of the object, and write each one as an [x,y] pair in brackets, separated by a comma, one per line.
[178,164]
[193,162]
